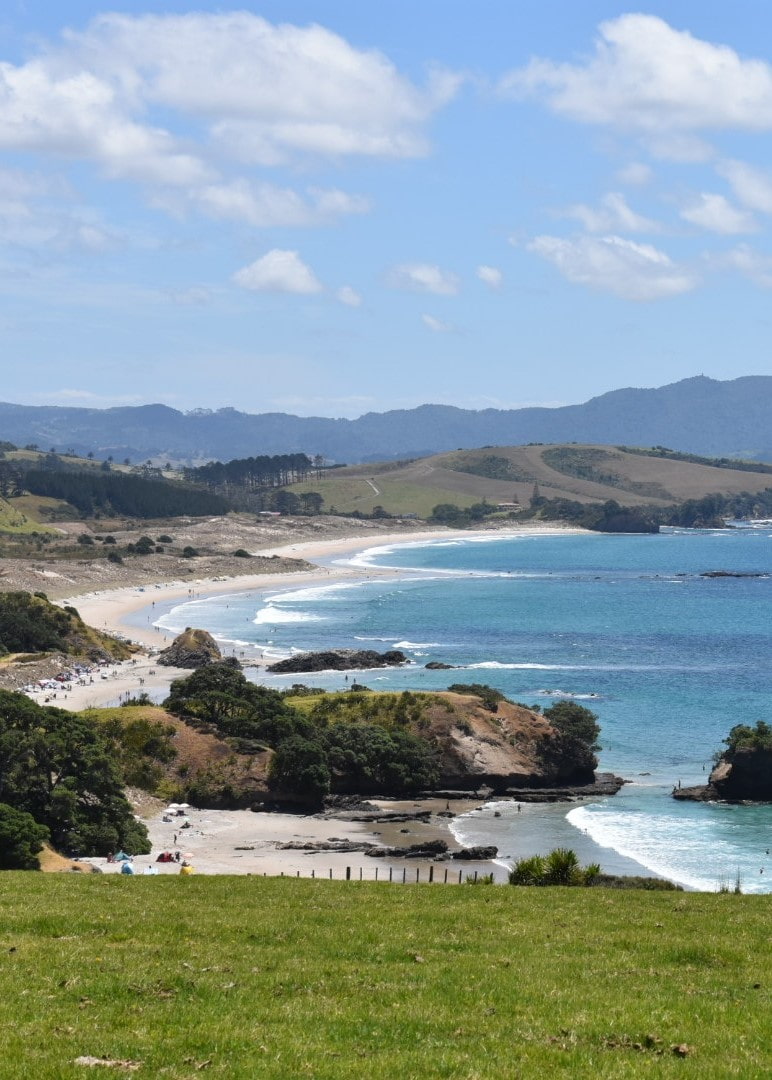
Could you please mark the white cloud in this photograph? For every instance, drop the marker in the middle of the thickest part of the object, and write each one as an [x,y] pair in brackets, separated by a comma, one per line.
[613,215]
[278,271]
[33,225]
[647,77]
[613,264]
[756,267]
[156,99]
[264,205]
[716,214]
[491,276]
[751,186]
[636,173]
[436,325]
[348,296]
[265,91]
[424,277]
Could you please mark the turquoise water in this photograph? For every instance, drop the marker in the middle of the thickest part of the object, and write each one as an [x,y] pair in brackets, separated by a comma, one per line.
[668,659]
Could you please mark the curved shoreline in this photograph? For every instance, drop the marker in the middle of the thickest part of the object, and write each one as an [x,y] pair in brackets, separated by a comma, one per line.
[110,610]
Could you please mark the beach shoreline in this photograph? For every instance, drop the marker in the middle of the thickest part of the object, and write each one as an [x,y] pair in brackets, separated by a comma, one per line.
[226,838]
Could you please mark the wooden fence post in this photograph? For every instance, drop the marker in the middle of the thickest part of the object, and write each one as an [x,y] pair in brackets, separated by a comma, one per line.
[417,874]
[404,874]
[431,873]
[348,873]
[391,872]
[445,882]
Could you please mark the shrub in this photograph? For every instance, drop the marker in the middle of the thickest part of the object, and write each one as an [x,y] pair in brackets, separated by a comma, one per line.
[21,838]
[560,867]
[242,553]
[573,719]
[489,696]
[189,552]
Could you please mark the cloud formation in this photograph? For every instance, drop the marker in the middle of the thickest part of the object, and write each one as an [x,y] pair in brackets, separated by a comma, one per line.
[278,271]
[436,325]
[612,264]
[424,277]
[348,296]
[491,276]
[169,101]
[716,214]
[753,187]
[647,77]
[613,215]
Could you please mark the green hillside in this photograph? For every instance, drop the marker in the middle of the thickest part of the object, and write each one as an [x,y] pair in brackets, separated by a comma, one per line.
[252,977]
[584,474]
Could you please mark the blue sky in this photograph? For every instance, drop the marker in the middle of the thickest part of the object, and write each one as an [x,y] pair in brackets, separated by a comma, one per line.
[330,208]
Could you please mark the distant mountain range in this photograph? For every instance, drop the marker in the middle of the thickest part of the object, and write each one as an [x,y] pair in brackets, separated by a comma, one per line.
[698,415]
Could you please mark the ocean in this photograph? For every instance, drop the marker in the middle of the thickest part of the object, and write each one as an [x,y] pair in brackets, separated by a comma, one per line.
[669,660]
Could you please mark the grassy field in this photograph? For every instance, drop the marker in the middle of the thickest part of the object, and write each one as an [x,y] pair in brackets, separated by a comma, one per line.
[253,977]
[586,474]
[18,519]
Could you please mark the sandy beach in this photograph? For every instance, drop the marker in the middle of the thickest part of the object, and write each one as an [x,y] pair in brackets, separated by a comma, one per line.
[243,842]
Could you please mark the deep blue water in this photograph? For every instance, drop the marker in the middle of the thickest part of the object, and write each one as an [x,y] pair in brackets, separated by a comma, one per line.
[668,659]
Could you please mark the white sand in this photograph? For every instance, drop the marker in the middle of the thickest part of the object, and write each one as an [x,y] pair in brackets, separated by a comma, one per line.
[243,842]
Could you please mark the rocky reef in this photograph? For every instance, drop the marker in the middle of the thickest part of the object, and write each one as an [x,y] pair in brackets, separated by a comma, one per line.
[338,660]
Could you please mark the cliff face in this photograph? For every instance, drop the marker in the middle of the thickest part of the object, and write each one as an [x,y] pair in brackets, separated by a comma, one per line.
[745,773]
[511,748]
[742,775]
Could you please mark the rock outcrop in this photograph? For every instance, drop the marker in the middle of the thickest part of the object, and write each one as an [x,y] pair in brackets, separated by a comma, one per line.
[191,649]
[742,775]
[338,660]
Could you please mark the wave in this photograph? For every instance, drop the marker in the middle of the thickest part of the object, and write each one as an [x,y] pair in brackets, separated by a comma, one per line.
[497,665]
[273,615]
[417,645]
[668,846]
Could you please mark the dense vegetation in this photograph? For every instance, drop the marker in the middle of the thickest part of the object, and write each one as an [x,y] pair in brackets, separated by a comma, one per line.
[696,459]
[29,623]
[58,767]
[344,743]
[745,737]
[21,839]
[93,491]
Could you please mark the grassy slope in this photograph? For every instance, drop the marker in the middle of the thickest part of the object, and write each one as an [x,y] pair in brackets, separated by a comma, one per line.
[417,486]
[19,519]
[278,978]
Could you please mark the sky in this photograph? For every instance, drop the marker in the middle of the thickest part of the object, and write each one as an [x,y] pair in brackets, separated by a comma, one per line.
[333,207]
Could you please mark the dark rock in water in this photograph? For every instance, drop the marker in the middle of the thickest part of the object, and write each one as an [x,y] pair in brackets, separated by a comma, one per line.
[429,849]
[338,660]
[733,574]
[479,853]
[437,665]
[741,775]
[191,649]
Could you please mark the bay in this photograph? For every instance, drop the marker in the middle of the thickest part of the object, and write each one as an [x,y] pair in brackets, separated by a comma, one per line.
[669,659]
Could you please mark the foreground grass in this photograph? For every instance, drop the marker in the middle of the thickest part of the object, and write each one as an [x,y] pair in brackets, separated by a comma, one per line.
[252,977]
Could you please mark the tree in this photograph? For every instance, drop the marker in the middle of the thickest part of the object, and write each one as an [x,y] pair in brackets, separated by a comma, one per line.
[300,765]
[573,719]
[58,767]
[21,838]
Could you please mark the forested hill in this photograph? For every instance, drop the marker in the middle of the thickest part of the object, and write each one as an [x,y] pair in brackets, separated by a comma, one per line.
[697,415]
